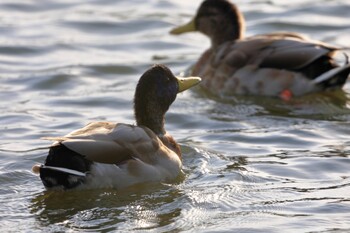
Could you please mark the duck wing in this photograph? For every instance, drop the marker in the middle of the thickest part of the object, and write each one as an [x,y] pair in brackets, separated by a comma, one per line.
[282,51]
[111,143]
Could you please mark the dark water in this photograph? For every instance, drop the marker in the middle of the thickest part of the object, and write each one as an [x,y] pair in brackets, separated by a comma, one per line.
[251,164]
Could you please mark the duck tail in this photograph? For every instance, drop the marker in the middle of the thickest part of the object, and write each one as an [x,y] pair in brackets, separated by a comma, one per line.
[38,168]
[63,168]
[334,78]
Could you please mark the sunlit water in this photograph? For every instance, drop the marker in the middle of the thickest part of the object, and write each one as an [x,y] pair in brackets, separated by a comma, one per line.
[251,164]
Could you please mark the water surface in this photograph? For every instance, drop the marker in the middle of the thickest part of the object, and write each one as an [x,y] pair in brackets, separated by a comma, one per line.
[251,164]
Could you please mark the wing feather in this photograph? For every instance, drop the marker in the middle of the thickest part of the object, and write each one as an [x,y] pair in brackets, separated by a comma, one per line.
[112,143]
[291,54]
[275,50]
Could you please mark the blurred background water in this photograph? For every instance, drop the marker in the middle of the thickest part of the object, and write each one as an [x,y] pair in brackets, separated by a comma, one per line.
[251,164]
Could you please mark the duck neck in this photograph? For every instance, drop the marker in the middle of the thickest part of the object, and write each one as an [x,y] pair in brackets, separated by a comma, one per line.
[215,43]
[152,118]
[228,35]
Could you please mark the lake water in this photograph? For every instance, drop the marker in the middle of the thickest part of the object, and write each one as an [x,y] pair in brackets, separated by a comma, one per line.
[251,164]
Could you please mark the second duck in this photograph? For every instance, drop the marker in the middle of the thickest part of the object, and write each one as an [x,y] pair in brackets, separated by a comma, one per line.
[280,64]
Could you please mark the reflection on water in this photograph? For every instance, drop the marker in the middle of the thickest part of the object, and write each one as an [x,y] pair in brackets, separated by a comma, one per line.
[251,164]
[330,105]
[141,206]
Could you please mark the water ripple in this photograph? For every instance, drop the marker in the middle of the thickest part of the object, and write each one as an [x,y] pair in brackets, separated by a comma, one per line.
[250,164]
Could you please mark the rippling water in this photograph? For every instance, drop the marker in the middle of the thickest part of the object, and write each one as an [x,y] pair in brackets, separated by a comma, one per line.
[251,164]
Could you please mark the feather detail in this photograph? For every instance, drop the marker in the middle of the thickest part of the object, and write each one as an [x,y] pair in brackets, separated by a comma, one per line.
[64,170]
[330,74]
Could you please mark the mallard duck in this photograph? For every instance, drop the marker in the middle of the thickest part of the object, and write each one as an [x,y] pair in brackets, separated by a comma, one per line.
[116,155]
[281,64]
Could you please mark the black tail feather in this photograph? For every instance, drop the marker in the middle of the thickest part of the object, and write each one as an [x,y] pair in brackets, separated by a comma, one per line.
[334,78]
[61,156]
[326,64]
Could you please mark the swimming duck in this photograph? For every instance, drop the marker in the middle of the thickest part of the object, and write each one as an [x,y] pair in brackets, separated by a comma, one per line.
[116,155]
[281,64]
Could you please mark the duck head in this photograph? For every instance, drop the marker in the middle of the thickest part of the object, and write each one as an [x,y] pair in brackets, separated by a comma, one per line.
[155,92]
[220,20]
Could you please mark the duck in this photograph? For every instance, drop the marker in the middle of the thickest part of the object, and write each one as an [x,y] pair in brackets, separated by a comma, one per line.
[117,155]
[277,64]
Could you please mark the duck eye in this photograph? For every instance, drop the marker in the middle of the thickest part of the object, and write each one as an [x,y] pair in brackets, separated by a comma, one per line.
[167,80]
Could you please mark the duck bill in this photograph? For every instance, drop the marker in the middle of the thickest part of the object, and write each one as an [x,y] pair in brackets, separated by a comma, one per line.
[188,27]
[187,82]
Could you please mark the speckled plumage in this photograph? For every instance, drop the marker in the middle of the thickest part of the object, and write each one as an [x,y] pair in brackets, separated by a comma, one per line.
[116,155]
[265,64]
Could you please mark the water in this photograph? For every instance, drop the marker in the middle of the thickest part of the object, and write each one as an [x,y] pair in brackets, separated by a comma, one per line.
[251,164]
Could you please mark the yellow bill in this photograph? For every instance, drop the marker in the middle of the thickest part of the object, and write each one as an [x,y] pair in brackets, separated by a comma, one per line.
[188,27]
[187,82]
